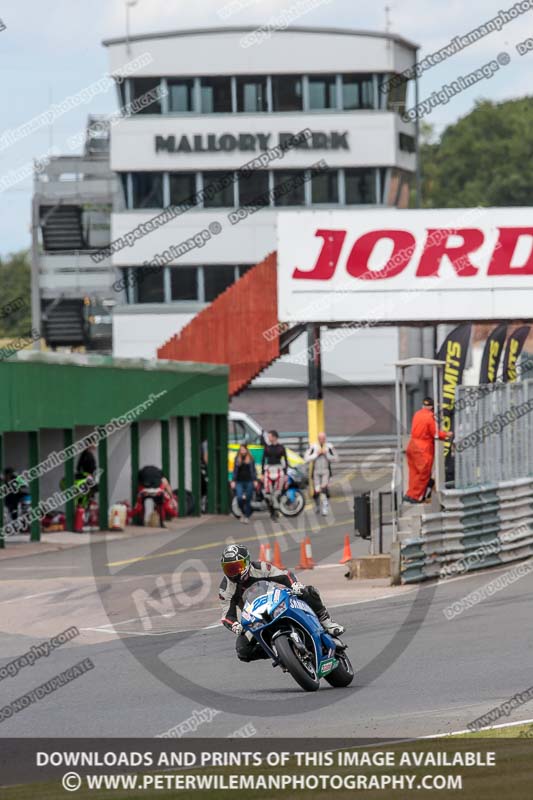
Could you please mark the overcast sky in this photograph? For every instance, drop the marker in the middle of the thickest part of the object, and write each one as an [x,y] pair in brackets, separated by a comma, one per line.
[51,49]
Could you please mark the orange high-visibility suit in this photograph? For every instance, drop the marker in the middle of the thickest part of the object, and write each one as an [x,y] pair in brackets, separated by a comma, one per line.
[421,451]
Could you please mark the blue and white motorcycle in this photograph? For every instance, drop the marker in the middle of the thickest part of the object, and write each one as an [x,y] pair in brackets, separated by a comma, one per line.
[289,631]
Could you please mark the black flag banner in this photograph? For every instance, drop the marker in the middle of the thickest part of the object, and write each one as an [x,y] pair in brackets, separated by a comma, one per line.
[514,346]
[453,351]
[492,355]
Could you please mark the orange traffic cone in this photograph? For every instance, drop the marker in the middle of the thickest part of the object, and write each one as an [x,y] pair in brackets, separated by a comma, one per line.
[303,556]
[261,556]
[347,554]
[309,553]
[277,556]
[268,552]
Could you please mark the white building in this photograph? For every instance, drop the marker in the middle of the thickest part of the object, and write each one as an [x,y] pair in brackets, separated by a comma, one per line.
[221,102]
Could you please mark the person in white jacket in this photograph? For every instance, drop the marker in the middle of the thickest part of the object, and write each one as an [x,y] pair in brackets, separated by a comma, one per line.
[320,455]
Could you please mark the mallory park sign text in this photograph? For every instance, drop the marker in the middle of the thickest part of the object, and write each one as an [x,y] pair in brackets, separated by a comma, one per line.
[247,142]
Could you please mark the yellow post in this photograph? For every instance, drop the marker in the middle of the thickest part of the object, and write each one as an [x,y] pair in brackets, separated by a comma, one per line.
[315,419]
[315,402]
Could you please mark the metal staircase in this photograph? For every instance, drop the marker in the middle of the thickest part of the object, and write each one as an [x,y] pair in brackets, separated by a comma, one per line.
[63,323]
[61,228]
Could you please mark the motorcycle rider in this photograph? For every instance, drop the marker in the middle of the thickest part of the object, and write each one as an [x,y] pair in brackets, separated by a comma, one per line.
[274,468]
[240,572]
[320,455]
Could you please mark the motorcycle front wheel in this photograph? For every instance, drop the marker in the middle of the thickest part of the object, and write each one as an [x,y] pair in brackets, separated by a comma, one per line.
[302,671]
[291,508]
[343,674]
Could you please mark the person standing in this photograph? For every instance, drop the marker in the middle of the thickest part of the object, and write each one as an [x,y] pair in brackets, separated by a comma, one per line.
[421,451]
[274,466]
[243,480]
[320,455]
[87,462]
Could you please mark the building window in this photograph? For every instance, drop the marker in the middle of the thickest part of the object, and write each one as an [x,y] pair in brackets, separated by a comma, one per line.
[216,95]
[253,188]
[360,186]
[396,98]
[218,189]
[357,92]
[147,189]
[382,183]
[252,94]
[183,283]
[325,187]
[182,188]
[122,92]
[124,184]
[180,95]
[139,87]
[216,279]
[289,188]
[407,143]
[287,93]
[150,285]
[322,92]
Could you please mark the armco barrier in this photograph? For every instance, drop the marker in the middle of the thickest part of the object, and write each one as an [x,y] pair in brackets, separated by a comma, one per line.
[481,527]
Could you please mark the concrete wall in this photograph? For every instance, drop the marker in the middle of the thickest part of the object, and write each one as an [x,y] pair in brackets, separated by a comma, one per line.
[364,357]
[319,50]
[350,410]
[149,444]
[137,333]
[49,441]
[119,463]
[16,451]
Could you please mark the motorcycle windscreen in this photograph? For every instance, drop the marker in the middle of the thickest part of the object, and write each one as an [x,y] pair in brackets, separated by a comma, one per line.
[257,590]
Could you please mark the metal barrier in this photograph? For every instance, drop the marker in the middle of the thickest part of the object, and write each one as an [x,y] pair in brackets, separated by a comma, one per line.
[493,433]
[373,452]
[480,527]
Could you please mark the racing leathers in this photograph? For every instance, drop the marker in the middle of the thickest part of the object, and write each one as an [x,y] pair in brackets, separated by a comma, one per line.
[320,455]
[231,598]
[274,467]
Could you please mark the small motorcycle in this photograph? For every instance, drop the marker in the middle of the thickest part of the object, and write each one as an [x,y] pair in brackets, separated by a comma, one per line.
[291,500]
[289,631]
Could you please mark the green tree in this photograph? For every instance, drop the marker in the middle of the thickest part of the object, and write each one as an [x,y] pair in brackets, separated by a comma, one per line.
[484,159]
[15,294]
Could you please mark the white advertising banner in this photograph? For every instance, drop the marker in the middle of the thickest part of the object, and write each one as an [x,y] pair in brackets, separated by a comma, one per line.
[390,265]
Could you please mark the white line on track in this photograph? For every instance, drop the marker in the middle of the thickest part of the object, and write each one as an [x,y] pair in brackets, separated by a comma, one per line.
[32,596]
[415,588]
[385,742]
[105,628]
[140,619]
[488,728]
[39,567]
[153,633]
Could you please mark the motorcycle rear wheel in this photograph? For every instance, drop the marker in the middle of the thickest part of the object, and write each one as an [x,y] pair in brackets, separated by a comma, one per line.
[343,674]
[291,661]
[289,509]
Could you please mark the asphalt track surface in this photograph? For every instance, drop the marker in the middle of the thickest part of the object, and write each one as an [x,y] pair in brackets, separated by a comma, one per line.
[417,672]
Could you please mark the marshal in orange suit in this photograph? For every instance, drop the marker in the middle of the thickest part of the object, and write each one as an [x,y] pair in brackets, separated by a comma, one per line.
[421,451]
